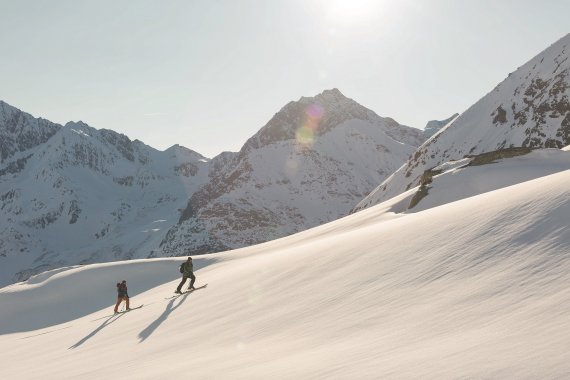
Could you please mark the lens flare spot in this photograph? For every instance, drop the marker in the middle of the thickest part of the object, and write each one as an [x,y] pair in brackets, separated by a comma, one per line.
[315,111]
[305,136]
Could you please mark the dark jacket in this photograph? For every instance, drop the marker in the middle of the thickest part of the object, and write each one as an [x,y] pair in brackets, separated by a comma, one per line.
[122,290]
[187,268]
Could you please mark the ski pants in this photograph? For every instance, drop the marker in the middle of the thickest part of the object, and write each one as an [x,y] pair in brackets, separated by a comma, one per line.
[119,300]
[184,278]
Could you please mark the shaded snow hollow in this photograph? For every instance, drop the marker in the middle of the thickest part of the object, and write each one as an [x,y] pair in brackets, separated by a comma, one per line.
[476,288]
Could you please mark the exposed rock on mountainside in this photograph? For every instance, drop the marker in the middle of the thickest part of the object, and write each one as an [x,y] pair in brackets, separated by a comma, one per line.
[530,108]
[21,131]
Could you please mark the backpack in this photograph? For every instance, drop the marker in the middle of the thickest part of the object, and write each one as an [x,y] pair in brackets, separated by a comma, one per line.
[182,268]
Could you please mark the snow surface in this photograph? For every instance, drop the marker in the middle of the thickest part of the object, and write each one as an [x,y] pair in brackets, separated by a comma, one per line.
[476,288]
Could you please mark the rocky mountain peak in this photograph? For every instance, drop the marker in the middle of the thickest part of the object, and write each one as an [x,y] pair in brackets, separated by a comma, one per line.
[329,96]
[77,124]
[308,165]
[310,116]
[182,152]
[20,131]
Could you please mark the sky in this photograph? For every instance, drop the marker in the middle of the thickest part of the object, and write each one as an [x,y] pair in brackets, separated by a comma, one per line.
[209,74]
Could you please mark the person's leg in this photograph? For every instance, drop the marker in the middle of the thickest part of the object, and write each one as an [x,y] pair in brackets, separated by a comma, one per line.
[179,288]
[192,279]
[119,299]
[127,301]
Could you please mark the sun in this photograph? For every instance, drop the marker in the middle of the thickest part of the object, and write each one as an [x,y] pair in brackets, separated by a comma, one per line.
[351,10]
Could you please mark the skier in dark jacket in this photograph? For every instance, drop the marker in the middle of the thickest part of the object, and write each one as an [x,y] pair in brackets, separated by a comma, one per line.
[187,272]
[122,295]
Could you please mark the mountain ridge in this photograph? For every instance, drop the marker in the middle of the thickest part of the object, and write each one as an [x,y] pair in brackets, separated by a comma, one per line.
[530,108]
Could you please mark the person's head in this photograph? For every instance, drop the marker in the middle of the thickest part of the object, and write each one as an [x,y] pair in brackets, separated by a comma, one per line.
[124,282]
[118,284]
[189,258]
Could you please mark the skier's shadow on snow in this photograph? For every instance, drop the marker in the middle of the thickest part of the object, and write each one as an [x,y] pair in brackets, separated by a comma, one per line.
[111,319]
[143,335]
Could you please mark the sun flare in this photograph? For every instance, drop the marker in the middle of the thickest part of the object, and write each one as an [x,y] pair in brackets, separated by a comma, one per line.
[350,10]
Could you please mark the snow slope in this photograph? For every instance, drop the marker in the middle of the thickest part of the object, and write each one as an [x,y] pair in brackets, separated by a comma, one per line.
[476,288]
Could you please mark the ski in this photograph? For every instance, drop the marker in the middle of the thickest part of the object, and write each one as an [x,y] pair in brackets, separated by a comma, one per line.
[118,313]
[131,309]
[186,292]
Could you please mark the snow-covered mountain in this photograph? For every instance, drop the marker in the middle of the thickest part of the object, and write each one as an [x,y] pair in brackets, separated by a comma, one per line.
[73,194]
[530,108]
[310,164]
[433,126]
[476,288]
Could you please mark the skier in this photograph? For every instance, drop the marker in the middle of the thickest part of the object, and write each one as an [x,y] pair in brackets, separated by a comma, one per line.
[187,269]
[122,295]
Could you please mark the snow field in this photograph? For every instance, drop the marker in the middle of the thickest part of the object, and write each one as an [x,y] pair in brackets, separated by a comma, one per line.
[477,288]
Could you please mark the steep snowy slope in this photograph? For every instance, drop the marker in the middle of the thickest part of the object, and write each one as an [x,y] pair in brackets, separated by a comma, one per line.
[87,195]
[531,108]
[312,162]
[476,288]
